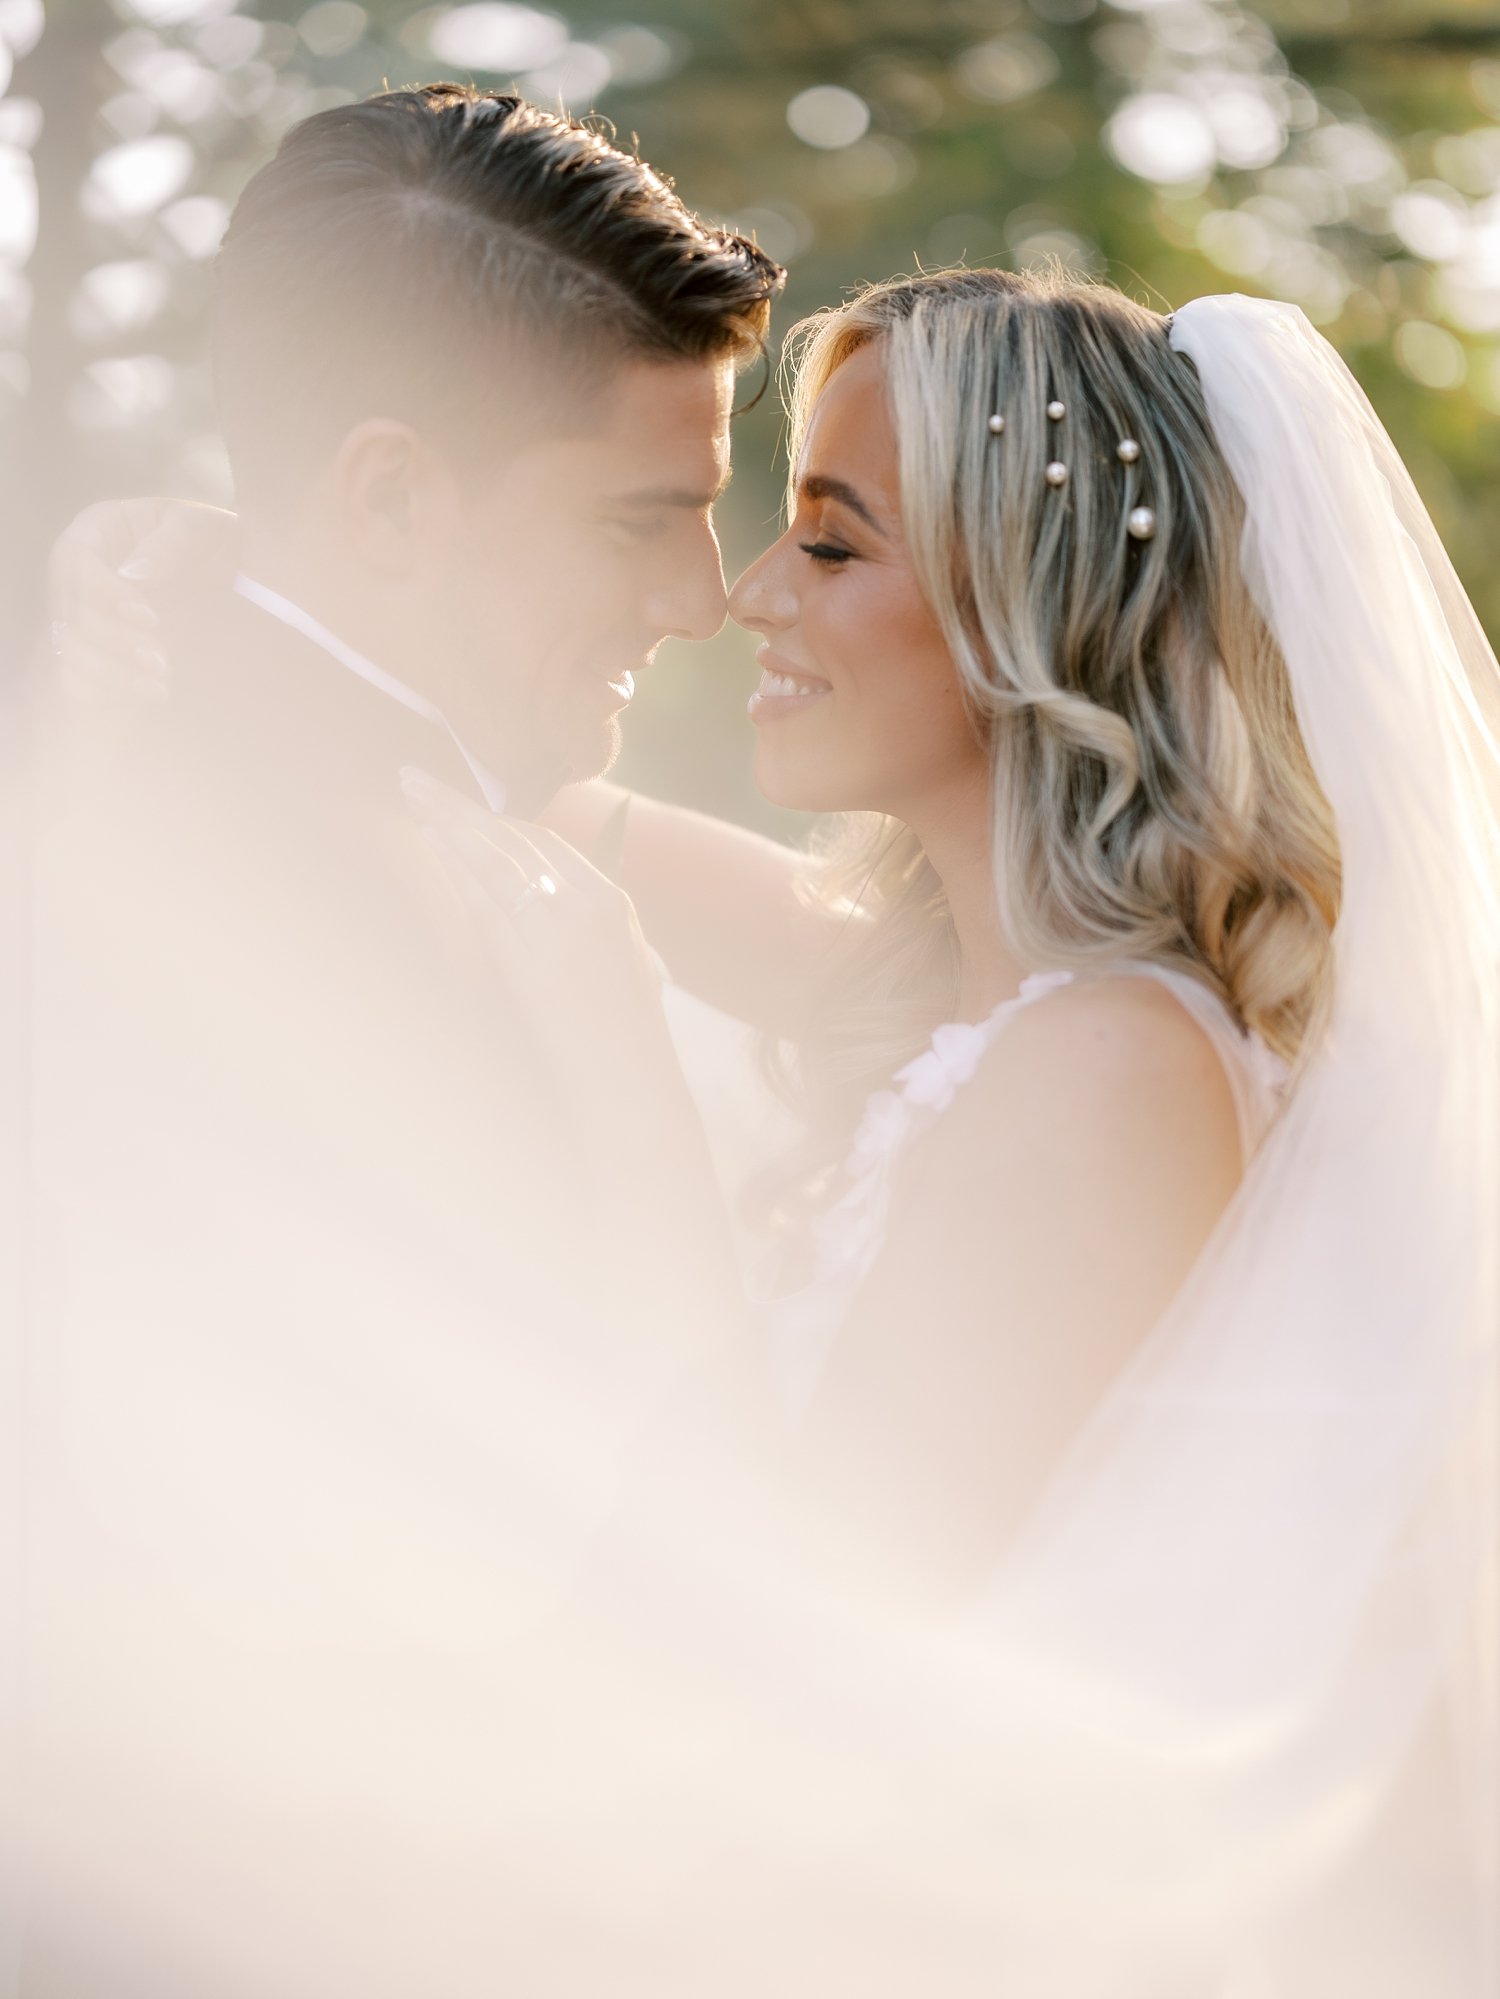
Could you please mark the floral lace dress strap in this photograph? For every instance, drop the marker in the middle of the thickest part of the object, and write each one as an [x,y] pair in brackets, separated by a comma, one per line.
[848,1235]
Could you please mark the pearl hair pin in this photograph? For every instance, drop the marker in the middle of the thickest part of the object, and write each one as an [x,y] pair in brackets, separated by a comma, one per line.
[1140,522]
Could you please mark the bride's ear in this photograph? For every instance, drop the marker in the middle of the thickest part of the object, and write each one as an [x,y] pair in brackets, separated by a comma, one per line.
[391,495]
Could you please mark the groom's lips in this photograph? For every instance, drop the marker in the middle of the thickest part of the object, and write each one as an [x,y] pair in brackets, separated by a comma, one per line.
[616,686]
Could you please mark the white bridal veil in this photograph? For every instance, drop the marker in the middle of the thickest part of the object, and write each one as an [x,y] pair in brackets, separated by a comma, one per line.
[1256,1615]
[1224,1723]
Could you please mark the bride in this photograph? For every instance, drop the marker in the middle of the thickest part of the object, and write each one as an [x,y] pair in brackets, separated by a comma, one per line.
[1129,1301]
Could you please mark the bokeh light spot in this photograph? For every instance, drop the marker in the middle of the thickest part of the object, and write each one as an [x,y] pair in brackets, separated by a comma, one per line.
[120,297]
[1431,355]
[783,231]
[114,394]
[173,13]
[1236,242]
[333,27]
[573,78]
[21,24]
[1431,220]
[496,37]
[1162,138]
[1008,68]
[1247,132]
[828,116]
[196,225]
[640,56]
[18,206]
[138,177]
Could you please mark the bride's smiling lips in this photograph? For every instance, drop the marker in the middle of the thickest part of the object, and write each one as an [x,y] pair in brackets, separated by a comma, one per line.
[784,688]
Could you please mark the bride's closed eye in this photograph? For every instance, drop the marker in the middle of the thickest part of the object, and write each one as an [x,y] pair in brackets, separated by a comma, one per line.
[827,552]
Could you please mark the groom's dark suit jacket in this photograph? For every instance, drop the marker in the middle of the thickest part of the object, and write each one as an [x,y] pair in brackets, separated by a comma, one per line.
[319,1382]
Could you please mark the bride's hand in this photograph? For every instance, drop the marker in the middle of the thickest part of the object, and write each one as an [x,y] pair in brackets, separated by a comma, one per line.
[102,568]
[566,938]
[589,986]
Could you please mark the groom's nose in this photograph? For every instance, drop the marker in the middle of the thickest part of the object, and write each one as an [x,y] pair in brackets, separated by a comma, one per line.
[689,601]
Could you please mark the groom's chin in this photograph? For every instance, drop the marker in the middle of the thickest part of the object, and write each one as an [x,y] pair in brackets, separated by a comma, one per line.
[530,790]
[599,756]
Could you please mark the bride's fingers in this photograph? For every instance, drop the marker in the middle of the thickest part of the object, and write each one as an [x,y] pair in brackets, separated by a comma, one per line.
[485,837]
[485,894]
[566,862]
[120,643]
[188,546]
[489,852]
[100,570]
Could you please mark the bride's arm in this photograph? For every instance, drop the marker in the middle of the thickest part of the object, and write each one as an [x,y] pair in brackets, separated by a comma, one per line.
[566,942]
[719,903]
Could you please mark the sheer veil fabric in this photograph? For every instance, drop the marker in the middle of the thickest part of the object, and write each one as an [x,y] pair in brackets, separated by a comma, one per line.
[1263,1582]
[1220,1725]
[1222,1720]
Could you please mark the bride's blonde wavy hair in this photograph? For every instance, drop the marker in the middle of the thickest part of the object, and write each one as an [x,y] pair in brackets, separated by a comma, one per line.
[1153,798]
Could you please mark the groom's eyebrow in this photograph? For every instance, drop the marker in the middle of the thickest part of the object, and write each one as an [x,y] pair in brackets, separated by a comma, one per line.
[818,486]
[671,496]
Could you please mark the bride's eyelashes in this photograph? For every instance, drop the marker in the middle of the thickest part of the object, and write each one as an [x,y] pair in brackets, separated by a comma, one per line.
[826,552]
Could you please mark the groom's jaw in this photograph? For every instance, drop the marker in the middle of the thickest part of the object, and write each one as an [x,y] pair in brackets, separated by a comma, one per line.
[584,554]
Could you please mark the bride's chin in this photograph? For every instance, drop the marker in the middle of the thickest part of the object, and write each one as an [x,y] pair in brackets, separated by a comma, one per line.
[799,790]
[794,791]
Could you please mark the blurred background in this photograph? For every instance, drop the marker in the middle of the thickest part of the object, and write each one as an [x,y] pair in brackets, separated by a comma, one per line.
[1341,153]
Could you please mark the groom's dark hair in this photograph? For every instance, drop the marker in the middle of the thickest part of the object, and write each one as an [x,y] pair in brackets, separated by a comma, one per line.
[463,261]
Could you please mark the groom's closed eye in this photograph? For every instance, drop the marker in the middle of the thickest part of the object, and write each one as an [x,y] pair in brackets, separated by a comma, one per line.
[634,519]
[630,531]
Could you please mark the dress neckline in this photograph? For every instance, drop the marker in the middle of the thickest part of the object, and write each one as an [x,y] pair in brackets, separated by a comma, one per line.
[847,1235]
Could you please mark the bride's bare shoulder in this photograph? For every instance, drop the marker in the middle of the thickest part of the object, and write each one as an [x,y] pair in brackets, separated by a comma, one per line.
[1108,1092]
[1109,1041]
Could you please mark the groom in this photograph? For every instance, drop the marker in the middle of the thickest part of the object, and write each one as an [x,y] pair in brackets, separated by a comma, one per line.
[324,1382]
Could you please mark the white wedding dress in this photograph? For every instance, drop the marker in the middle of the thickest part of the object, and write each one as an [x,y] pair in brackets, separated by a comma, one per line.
[849,1235]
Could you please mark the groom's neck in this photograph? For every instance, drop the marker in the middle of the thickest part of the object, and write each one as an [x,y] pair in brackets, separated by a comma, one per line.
[364,613]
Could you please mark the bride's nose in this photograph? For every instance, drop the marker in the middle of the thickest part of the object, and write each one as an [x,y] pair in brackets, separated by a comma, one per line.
[761,599]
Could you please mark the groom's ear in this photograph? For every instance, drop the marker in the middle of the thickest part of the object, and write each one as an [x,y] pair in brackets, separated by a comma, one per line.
[390,494]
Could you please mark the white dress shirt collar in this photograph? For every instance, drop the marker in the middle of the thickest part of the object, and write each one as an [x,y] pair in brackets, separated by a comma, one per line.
[282,608]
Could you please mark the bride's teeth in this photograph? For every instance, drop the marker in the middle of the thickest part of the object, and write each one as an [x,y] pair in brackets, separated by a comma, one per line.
[779,686]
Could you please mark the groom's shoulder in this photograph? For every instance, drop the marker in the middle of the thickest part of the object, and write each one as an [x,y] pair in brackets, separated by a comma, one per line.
[247,812]
[227,916]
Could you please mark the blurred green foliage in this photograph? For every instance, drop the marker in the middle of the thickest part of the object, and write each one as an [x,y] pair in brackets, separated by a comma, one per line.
[1345,153]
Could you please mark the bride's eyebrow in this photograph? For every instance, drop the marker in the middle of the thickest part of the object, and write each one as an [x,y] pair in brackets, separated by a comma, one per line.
[818,486]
